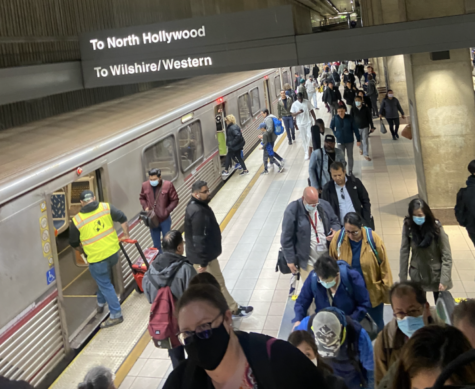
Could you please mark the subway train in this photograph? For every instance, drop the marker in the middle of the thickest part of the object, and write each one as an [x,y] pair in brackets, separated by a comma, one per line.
[47,296]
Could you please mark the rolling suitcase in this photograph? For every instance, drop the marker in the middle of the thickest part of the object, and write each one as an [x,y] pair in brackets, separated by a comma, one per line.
[143,262]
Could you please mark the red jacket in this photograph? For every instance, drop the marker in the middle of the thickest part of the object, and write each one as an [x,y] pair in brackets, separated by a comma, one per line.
[167,199]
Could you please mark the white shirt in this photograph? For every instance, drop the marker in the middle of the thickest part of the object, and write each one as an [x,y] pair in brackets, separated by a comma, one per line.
[305,118]
[317,246]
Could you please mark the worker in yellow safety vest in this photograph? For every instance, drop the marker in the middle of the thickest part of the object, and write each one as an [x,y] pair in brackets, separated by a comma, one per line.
[92,233]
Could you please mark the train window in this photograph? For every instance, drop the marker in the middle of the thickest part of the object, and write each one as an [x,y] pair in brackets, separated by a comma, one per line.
[285,77]
[162,155]
[244,108]
[255,103]
[277,86]
[190,142]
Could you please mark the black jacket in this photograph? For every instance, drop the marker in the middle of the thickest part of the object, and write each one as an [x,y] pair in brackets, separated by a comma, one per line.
[278,365]
[202,233]
[362,116]
[359,198]
[234,139]
[315,72]
[116,214]
[368,103]
[465,207]
[349,95]
[331,95]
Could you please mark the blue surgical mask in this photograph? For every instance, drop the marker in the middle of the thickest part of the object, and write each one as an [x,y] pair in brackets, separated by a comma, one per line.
[310,208]
[329,284]
[357,103]
[410,324]
[419,220]
[154,183]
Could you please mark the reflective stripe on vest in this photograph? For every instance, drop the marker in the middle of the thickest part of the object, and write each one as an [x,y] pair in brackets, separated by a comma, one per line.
[98,236]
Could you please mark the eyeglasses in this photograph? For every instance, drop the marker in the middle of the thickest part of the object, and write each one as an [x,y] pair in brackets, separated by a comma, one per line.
[342,193]
[412,313]
[204,331]
[354,233]
[205,192]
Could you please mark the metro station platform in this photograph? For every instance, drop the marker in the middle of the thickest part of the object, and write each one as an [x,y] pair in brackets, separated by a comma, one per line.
[250,210]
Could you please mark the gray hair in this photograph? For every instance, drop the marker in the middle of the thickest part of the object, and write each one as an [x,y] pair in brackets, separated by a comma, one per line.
[98,377]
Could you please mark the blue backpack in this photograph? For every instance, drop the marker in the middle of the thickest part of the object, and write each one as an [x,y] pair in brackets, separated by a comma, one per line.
[278,127]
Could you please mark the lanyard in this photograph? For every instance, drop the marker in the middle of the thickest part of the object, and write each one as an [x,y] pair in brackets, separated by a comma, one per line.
[314,226]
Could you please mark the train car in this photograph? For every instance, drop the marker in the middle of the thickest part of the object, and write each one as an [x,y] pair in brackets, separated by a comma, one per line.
[47,297]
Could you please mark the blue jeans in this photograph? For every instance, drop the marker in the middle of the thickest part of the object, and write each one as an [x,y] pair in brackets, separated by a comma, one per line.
[289,127]
[102,274]
[163,228]
[377,314]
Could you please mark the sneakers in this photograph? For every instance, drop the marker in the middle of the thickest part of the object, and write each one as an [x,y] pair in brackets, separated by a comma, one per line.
[264,172]
[100,309]
[237,166]
[244,172]
[397,135]
[290,142]
[367,158]
[112,322]
[281,169]
[225,173]
[306,157]
[243,312]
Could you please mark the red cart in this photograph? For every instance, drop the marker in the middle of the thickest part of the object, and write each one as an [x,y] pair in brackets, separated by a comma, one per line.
[143,262]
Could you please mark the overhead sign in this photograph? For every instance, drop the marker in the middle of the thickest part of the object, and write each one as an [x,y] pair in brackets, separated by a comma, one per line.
[189,47]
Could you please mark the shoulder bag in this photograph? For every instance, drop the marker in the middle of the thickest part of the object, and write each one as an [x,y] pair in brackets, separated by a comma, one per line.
[149,218]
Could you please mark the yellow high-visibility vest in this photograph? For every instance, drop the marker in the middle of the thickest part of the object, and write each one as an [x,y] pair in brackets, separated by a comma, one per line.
[97,233]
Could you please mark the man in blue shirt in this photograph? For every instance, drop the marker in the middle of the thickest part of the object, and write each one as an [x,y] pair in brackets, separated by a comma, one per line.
[344,127]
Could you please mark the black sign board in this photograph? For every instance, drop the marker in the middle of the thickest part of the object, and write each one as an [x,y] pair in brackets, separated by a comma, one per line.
[189,47]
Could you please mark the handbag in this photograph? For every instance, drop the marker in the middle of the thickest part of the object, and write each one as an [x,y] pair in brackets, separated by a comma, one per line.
[149,218]
[370,326]
[407,132]
[383,128]
[282,263]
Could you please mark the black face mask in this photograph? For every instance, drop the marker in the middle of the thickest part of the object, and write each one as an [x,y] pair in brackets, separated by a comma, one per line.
[208,353]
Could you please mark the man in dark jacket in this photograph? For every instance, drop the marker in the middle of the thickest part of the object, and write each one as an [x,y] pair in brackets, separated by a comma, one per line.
[349,95]
[344,127]
[465,207]
[332,97]
[161,197]
[308,226]
[203,241]
[361,115]
[170,268]
[347,194]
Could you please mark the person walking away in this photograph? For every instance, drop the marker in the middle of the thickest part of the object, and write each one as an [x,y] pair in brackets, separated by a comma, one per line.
[361,115]
[349,95]
[161,197]
[325,76]
[389,109]
[463,318]
[92,232]
[306,344]
[332,97]
[344,127]
[428,353]
[315,71]
[235,143]
[347,194]
[342,68]
[431,258]
[303,113]
[336,78]
[272,137]
[320,162]
[359,73]
[351,66]
[411,311]
[368,257]
[266,145]
[296,80]
[220,357]
[285,116]
[301,89]
[170,269]
[332,284]
[308,226]
[203,242]
[345,346]
[372,92]
[311,86]
[465,206]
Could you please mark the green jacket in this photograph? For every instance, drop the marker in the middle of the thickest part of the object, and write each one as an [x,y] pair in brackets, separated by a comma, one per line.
[303,90]
[430,265]
[281,110]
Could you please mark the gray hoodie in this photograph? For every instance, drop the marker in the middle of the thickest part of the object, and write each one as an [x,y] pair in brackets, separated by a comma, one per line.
[160,271]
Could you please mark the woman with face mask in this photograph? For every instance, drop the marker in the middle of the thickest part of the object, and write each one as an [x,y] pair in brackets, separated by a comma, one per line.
[365,252]
[431,259]
[305,343]
[389,109]
[221,358]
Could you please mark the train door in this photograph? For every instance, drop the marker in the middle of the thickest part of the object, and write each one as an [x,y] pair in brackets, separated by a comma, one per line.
[266,93]
[220,114]
[78,286]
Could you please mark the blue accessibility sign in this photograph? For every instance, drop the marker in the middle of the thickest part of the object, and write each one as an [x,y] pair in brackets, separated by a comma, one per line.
[50,276]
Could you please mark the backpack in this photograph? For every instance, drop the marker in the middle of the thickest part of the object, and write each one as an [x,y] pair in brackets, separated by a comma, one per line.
[369,234]
[162,324]
[460,208]
[278,127]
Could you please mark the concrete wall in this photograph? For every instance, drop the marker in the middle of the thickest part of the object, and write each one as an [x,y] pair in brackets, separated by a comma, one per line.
[397,80]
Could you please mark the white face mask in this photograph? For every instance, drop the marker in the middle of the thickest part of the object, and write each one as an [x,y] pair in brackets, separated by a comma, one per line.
[390,95]
[315,362]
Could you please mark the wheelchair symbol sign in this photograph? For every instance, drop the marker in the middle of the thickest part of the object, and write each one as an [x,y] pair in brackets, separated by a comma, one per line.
[50,276]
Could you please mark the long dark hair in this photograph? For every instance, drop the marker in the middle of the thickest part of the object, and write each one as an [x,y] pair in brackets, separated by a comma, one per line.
[429,230]
[296,338]
[433,347]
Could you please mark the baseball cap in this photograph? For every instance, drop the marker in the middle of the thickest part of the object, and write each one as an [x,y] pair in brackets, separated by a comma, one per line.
[329,138]
[327,330]
[302,81]
[262,125]
[86,195]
